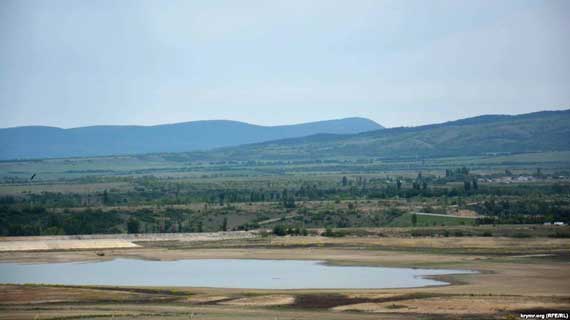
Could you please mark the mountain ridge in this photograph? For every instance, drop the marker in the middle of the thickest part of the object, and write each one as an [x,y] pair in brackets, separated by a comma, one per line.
[194,122]
[484,134]
[530,132]
[29,142]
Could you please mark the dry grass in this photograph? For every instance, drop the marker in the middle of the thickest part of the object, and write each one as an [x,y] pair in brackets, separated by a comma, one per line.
[496,243]
[81,188]
[262,301]
[505,285]
[462,305]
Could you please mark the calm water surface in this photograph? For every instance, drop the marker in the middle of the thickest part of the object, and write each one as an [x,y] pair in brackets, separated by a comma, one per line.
[220,273]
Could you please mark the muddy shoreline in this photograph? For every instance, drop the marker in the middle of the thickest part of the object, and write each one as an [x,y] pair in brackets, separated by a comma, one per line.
[505,283]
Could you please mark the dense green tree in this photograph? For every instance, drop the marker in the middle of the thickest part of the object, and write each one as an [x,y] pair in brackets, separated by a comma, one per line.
[133,225]
[467,186]
[279,230]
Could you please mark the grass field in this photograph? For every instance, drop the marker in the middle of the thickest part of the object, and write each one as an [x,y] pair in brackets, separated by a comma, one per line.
[165,165]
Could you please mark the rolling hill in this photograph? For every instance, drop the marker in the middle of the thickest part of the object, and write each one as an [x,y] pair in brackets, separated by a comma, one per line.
[496,134]
[49,142]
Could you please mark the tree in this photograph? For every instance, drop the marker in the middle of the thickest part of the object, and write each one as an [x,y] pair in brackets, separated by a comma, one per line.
[288,200]
[329,232]
[221,198]
[279,230]
[475,184]
[105,197]
[344,181]
[133,225]
[467,186]
[414,219]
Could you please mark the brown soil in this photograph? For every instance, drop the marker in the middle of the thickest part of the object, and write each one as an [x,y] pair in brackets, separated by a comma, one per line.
[506,284]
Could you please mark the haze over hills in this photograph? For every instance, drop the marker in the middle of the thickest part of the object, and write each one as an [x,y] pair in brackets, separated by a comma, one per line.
[532,132]
[48,142]
[351,137]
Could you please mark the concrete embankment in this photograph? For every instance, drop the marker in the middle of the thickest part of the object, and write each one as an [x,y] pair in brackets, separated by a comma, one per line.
[110,241]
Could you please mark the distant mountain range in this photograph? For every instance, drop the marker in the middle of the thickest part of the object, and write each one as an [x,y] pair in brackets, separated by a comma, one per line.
[49,142]
[488,134]
[344,138]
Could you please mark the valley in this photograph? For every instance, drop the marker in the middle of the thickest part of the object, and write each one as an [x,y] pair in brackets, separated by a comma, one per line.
[502,216]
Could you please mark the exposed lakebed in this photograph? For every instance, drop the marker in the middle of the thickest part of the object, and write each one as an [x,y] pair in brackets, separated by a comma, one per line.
[221,273]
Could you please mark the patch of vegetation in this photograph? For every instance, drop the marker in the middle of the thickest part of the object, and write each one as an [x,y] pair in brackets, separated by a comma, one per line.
[329,232]
[339,193]
[281,230]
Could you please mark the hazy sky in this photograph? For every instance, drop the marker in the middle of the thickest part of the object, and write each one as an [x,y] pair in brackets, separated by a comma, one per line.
[403,62]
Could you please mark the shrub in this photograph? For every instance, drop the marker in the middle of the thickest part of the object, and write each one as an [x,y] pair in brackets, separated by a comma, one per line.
[329,232]
[520,235]
[560,234]
[279,230]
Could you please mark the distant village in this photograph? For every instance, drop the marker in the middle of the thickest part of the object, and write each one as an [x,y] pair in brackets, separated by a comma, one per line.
[520,179]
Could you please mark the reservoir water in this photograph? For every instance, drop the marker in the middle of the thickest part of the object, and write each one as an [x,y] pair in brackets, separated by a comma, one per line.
[221,273]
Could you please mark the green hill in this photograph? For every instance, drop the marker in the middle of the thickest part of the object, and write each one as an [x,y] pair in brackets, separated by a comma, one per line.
[496,134]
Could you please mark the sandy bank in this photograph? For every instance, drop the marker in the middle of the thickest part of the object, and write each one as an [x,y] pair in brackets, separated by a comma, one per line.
[34,245]
[109,241]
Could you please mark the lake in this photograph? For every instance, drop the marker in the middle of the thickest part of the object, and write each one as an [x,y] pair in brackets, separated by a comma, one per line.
[221,273]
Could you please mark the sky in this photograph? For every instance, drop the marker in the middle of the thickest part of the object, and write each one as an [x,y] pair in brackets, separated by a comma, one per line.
[70,63]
